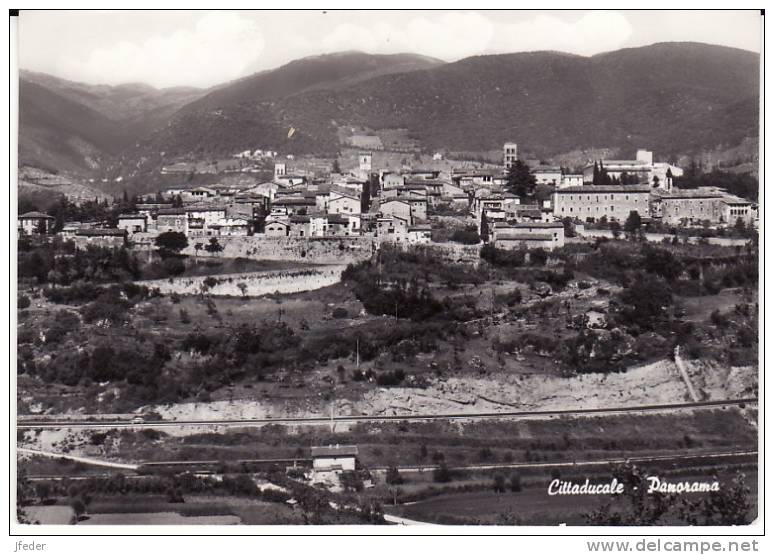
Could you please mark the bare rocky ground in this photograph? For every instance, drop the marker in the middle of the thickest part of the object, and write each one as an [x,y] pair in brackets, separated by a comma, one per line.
[655,383]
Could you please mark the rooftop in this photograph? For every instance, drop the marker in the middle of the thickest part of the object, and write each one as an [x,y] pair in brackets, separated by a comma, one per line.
[604,189]
[92,232]
[295,201]
[205,208]
[523,237]
[335,451]
[529,225]
[35,215]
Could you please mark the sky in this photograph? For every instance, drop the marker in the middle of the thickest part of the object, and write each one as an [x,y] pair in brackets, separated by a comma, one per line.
[206,48]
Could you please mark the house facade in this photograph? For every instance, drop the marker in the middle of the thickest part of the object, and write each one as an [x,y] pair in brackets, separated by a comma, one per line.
[529,235]
[172,219]
[590,203]
[35,223]
[133,223]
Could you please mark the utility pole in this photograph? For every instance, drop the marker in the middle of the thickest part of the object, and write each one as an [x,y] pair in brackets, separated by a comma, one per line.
[357,353]
[332,424]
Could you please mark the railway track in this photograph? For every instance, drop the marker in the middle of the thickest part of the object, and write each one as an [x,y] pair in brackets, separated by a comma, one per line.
[205,467]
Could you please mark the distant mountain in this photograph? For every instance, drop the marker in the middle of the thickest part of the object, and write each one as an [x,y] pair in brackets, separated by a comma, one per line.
[329,71]
[672,98]
[65,125]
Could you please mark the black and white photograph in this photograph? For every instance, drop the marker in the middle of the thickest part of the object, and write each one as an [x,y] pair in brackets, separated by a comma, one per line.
[435,270]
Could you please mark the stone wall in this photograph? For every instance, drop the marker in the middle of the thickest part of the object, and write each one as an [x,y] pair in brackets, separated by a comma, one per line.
[255,283]
[338,250]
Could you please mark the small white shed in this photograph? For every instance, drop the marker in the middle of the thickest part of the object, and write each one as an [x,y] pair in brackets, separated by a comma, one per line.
[334,457]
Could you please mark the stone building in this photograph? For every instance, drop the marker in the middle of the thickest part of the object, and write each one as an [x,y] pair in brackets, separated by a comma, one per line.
[593,202]
[529,235]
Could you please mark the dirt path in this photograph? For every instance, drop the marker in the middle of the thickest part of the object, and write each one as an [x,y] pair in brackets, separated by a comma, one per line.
[684,374]
[84,460]
[392,519]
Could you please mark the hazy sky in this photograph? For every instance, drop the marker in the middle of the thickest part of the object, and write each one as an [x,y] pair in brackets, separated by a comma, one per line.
[201,48]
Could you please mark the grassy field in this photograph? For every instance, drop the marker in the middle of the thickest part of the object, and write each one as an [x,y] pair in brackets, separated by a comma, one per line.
[562,439]
[152,519]
[533,505]
[698,309]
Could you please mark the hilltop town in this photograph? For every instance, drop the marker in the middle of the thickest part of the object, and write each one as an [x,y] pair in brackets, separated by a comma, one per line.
[308,336]
[403,206]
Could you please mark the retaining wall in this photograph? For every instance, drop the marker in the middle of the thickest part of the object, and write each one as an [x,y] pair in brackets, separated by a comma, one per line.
[338,250]
[256,283]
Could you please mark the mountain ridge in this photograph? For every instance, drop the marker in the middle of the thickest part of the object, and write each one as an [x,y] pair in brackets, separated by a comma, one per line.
[673,98]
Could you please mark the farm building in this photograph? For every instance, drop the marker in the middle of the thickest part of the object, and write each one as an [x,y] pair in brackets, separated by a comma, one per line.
[33,223]
[334,457]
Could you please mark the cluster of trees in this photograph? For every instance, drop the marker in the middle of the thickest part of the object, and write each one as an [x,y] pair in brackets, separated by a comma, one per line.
[247,350]
[730,506]
[398,284]
[401,340]
[513,258]
[601,177]
[742,184]
[644,318]
[59,263]
[126,362]
[467,236]
[126,294]
[64,210]
[520,180]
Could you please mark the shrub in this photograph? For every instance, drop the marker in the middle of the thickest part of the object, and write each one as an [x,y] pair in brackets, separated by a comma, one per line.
[442,474]
[171,241]
[393,477]
[22,302]
[515,483]
[391,378]
[467,236]
[184,317]
[340,312]
[198,342]
[498,485]
[173,266]
[718,319]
